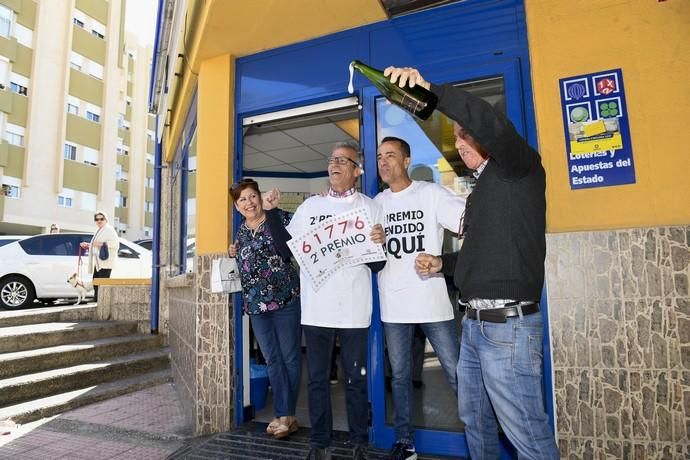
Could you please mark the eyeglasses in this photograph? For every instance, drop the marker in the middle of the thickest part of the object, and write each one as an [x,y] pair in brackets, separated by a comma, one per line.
[242,182]
[342,161]
[98,219]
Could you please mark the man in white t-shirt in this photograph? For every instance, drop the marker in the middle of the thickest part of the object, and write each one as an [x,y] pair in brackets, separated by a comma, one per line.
[415,216]
[340,307]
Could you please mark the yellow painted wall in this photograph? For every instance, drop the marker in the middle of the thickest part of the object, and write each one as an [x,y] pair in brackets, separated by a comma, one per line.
[15,161]
[88,45]
[20,107]
[214,154]
[650,42]
[85,87]
[79,176]
[83,131]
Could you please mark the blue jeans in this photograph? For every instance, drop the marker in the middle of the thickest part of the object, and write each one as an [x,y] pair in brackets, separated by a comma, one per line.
[500,371]
[354,345]
[279,335]
[399,337]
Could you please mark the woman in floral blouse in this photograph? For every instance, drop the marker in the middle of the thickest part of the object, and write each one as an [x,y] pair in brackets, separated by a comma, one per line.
[271,298]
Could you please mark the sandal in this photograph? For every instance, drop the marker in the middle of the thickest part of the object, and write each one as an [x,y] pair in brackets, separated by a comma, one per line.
[293,424]
[282,430]
[271,428]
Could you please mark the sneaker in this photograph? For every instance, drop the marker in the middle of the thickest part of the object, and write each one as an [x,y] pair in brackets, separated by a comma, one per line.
[318,454]
[403,450]
[360,453]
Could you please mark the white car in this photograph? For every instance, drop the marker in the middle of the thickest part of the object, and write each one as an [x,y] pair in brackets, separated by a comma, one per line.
[38,267]
[191,250]
[7,239]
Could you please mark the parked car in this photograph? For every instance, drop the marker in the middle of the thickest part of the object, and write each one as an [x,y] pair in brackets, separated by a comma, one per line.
[38,267]
[191,250]
[7,239]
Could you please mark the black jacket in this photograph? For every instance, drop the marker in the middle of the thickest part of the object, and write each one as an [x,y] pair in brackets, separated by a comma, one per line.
[502,255]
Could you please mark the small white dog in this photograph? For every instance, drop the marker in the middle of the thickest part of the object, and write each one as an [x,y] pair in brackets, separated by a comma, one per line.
[82,287]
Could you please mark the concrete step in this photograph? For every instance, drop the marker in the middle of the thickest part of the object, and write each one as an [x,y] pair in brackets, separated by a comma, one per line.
[45,407]
[48,315]
[42,359]
[31,336]
[38,385]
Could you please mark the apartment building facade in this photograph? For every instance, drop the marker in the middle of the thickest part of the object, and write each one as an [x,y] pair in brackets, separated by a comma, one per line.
[73,118]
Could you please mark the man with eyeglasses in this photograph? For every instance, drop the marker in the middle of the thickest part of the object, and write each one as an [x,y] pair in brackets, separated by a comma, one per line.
[415,216]
[500,273]
[340,307]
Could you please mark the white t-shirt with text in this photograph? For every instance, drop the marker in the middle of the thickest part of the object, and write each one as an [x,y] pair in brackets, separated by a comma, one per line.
[414,222]
[345,299]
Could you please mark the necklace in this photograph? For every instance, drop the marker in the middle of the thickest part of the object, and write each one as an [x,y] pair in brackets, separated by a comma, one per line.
[256,226]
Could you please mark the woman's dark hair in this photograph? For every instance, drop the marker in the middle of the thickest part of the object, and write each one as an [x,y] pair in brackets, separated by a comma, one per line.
[238,187]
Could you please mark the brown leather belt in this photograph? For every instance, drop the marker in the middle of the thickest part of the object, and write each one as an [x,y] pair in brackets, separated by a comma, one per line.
[501,315]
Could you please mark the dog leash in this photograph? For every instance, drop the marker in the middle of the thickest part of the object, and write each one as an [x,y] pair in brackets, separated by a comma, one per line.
[79,264]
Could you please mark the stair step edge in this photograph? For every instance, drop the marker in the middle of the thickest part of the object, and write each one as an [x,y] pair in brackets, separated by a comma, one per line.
[38,377]
[55,404]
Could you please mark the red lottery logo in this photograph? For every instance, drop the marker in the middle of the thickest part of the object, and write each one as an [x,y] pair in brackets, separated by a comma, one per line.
[606,86]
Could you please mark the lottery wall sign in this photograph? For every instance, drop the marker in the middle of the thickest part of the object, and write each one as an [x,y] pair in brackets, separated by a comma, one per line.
[597,130]
[334,243]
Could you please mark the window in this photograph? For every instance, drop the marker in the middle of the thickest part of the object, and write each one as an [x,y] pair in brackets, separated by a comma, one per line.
[148,206]
[148,182]
[23,35]
[182,221]
[53,245]
[64,201]
[97,34]
[14,139]
[91,156]
[88,201]
[120,173]
[121,201]
[79,23]
[6,17]
[70,152]
[92,116]
[19,89]
[96,70]
[76,61]
[125,252]
[149,158]
[14,134]
[4,72]
[11,191]
[73,109]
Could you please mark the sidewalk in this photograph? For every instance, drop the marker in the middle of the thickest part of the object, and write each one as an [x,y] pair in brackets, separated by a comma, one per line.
[144,425]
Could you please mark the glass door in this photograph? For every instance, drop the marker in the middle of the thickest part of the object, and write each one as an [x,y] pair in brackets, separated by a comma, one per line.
[434,414]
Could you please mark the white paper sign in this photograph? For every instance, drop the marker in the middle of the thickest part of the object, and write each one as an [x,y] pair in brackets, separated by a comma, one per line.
[337,242]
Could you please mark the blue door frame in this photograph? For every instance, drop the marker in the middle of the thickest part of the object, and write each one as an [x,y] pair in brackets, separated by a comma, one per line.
[381,434]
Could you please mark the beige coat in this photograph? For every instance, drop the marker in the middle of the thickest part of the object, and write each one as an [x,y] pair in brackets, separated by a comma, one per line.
[106,235]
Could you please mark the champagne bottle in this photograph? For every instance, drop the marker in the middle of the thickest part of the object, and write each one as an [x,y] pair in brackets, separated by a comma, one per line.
[419,101]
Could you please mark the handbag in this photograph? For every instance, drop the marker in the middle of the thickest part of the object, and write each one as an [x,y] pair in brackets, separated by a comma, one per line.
[103,253]
[225,275]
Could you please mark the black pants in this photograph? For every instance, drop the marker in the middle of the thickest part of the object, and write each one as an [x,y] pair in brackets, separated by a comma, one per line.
[353,358]
[102,273]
